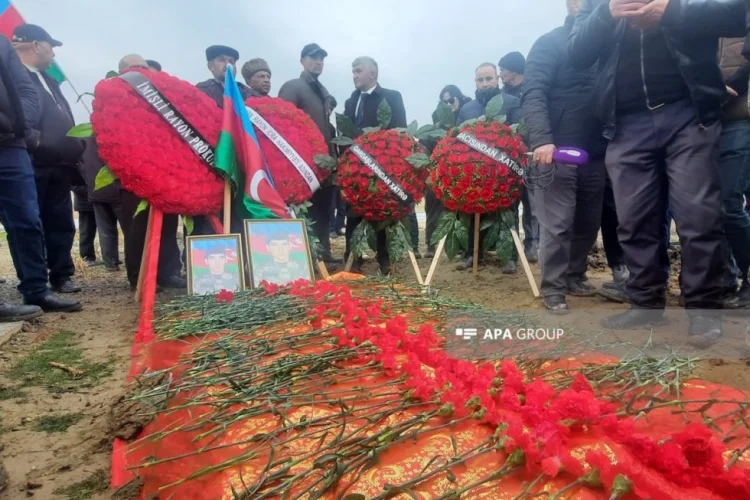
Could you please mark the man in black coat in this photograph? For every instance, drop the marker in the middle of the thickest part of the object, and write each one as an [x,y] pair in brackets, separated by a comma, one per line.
[558,111]
[221,57]
[659,93]
[20,110]
[311,96]
[488,87]
[55,156]
[362,109]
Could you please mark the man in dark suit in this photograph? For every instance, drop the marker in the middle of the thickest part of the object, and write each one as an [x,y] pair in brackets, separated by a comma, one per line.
[54,155]
[362,109]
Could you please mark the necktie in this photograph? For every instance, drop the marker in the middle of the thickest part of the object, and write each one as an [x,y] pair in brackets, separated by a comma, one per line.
[361,110]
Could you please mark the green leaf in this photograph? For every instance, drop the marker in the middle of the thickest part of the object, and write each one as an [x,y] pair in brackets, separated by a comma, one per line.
[384,114]
[470,122]
[104,178]
[452,243]
[520,128]
[445,115]
[500,119]
[396,241]
[367,130]
[419,160]
[412,128]
[325,162]
[346,126]
[427,132]
[81,131]
[112,74]
[360,238]
[342,141]
[493,233]
[504,247]
[189,224]
[444,226]
[143,205]
[494,107]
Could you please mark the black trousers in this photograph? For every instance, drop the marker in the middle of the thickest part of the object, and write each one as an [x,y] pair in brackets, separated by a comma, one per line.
[320,214]
[529,221]
[337,214]
[434,208]
[134,229]
[668,149]
[569,216]
[612,247]
[56,213]
[107,217]
[87,234]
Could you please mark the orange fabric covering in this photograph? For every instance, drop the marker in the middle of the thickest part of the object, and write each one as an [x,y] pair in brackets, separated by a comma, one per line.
[244,443]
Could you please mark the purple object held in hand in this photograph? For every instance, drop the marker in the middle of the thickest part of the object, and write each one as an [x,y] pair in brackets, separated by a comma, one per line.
[570,156]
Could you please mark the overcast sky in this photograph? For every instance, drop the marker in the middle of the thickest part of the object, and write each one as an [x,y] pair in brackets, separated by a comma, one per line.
[420,45]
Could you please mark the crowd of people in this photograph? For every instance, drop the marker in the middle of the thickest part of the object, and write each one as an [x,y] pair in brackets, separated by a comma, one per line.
[654,90]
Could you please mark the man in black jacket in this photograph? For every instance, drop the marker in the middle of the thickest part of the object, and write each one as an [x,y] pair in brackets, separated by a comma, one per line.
[488,87]
[309,95]
[557,107]
[221,57]
[362,109]
[20,110]
[659,93]
[512,67]
[55,156]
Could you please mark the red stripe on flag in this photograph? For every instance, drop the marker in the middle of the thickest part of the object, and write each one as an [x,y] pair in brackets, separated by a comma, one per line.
[9,20]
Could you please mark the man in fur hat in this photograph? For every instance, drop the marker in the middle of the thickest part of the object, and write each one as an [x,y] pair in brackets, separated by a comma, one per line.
[257,75]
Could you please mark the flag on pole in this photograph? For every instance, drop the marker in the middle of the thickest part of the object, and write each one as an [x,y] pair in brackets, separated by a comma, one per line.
[9,20]
[238,157]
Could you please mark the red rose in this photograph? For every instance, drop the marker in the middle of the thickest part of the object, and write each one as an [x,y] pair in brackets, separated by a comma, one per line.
[456,192]
[492,206]
[472,197]
[503,188]
[380,144]
[445,181]
[451,205]
[486,194]
[468,169]
[505,202]
[454,171]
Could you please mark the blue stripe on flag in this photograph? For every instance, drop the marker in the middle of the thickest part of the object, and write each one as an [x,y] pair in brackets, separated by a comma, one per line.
[4,4]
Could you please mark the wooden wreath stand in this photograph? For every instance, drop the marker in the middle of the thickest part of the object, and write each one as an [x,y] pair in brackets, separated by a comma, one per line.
[516,241]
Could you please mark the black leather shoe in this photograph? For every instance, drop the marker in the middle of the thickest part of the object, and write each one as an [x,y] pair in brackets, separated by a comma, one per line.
[176,282]
[12,312]
[468,263]
[705,330]
[53,303]
[633,318]
[620,274]
[532,256]
[417,255]
[556,304]
[67,286]
[578,288]
[385,269]
[510,267]
[611,291]
[430,253]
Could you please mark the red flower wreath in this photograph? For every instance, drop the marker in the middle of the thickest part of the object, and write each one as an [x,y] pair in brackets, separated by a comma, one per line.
[369,196]
[148,157]
[471,182]
[302,134]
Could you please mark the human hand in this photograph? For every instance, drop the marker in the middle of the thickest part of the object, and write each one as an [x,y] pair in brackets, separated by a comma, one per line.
[624,8]
[731,91]
[649,15]
[543,154]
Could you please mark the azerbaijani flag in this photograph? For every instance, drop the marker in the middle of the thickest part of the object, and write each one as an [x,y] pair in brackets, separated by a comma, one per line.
[239,159]
[9,19]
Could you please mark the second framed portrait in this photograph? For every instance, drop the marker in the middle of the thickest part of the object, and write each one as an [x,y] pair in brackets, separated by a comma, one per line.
[278,251]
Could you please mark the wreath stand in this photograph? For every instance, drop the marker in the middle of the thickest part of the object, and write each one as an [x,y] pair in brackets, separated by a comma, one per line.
[516,241]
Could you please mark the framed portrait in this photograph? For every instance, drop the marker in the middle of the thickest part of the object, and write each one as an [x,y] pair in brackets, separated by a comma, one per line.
[215,263]
[278,251]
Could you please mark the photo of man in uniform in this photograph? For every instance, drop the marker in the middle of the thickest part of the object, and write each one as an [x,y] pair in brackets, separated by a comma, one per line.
[218,277]
[278,253]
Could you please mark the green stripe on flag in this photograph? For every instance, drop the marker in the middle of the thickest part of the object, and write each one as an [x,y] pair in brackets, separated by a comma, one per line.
[225,161]
[55,72]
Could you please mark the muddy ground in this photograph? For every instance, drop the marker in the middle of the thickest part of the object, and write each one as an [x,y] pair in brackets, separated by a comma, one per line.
[55,440]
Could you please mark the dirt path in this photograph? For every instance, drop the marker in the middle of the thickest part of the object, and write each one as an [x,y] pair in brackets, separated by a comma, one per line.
[54,426]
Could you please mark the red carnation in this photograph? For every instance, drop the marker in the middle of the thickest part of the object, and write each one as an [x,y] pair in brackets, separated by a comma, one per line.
[225,296]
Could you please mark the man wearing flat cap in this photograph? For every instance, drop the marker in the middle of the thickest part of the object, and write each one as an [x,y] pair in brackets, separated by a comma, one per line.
[219,59]
[153,65]
[257,75]
[309,95]
[55,156]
